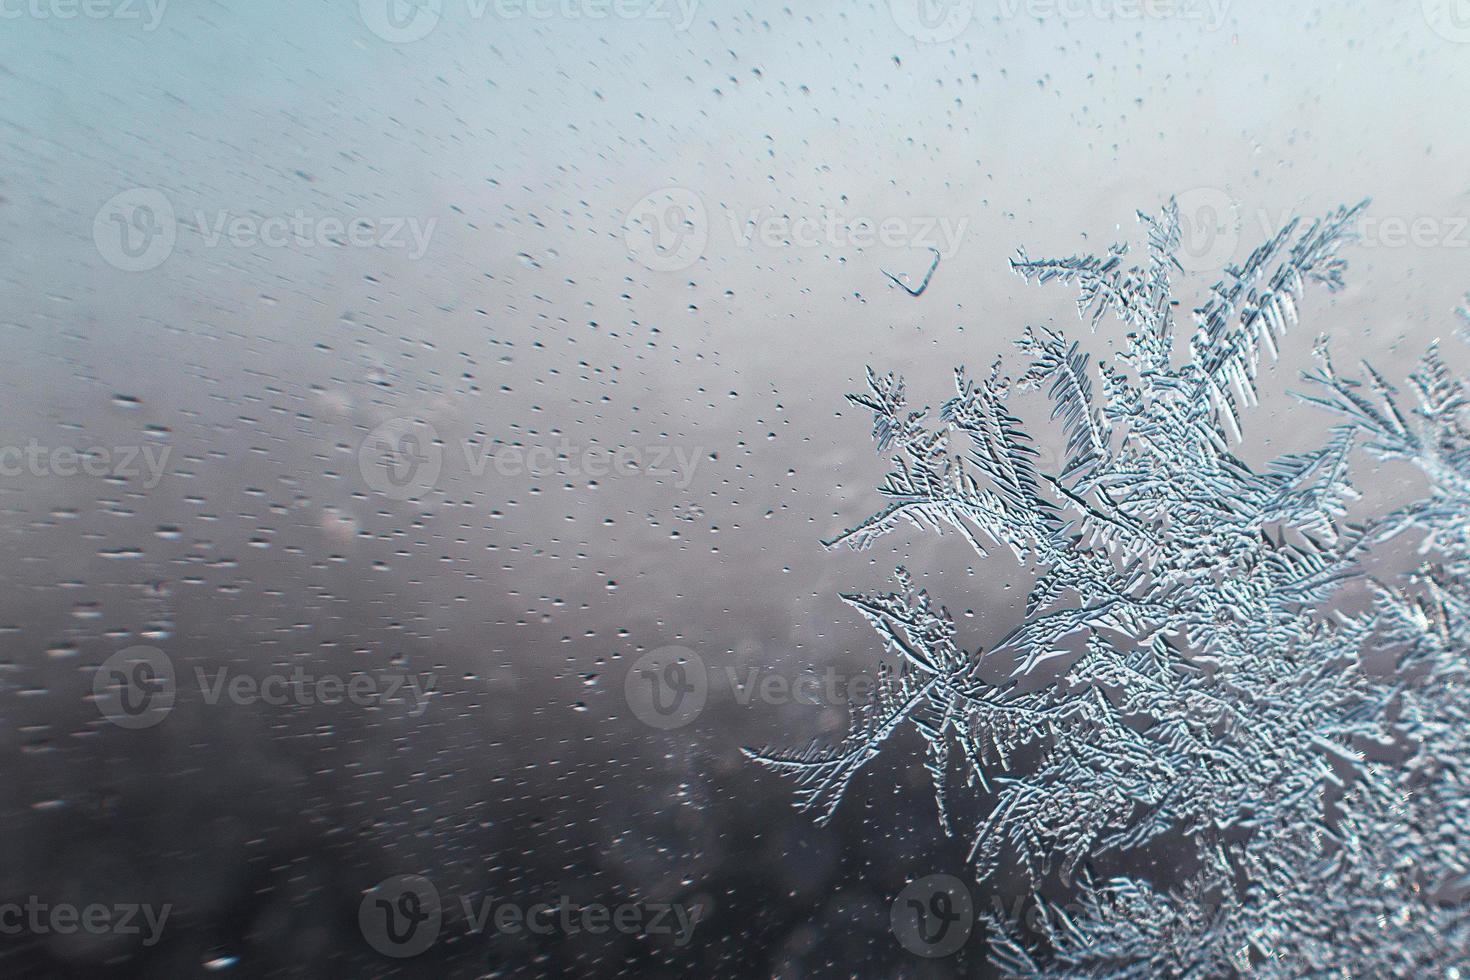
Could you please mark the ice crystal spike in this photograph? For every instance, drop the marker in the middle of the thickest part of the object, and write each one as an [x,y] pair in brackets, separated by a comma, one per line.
[923,284]
[1186,677]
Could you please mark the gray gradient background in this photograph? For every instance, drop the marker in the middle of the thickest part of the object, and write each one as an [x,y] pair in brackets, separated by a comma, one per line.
[528,321]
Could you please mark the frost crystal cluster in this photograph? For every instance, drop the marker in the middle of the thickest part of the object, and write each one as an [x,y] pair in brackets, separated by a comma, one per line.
[1215,663]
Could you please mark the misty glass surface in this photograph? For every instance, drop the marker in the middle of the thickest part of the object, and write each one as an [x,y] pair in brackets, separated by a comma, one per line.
[423,421]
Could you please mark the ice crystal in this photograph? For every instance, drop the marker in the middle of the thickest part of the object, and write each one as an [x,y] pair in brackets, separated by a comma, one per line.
[1190,679]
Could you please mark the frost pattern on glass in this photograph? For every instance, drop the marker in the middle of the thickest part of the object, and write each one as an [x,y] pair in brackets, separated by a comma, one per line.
[1204,692]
